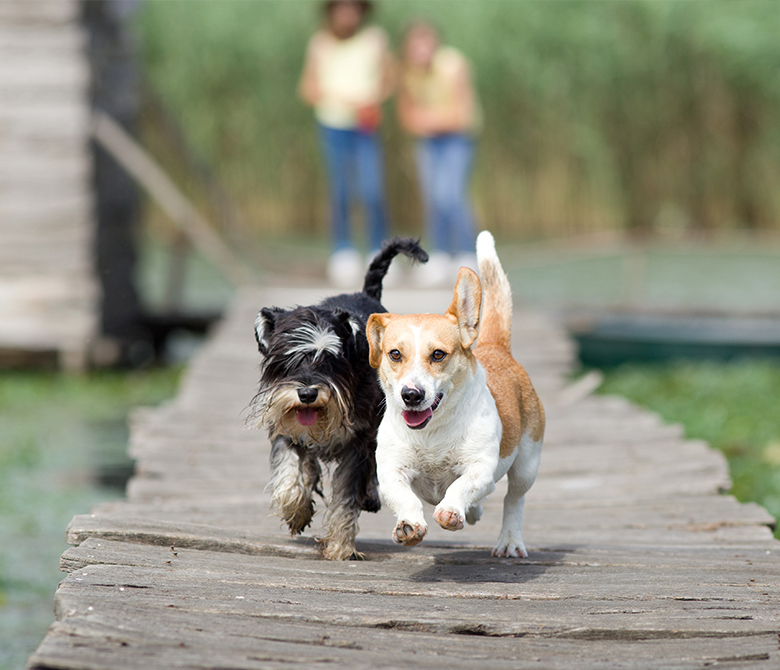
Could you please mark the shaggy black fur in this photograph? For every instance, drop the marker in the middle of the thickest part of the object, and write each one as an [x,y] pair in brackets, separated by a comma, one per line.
[339,369]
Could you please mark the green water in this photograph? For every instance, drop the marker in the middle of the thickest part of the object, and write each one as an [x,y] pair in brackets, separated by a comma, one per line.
[58,433]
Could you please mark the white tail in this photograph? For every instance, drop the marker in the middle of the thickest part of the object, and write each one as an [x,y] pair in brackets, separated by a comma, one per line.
[496,322]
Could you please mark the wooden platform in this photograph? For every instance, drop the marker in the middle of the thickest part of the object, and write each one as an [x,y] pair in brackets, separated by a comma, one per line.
[48,292]
[637,559]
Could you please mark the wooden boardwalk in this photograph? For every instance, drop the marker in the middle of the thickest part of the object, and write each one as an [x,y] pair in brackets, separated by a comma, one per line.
[637,560]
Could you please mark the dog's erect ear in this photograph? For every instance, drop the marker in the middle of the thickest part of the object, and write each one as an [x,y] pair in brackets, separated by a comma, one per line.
[465,306]
[375,333]
[355,326]
[348,328]
[349,322]
[264,326]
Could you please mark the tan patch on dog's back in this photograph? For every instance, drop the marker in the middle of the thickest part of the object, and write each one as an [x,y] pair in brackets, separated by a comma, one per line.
[518,405]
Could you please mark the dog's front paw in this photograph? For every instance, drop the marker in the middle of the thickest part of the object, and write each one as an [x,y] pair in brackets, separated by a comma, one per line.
[509,547]
[408,533]
[448,518]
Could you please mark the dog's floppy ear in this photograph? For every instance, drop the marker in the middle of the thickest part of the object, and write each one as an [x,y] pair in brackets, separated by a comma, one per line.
[375,333]
[264,326]
[465,306]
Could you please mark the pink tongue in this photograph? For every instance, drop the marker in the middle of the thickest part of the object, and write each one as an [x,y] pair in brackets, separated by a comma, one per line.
[306,416]
[416,418]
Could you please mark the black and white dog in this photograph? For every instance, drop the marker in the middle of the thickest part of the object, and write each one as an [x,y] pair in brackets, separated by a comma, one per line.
[321,402]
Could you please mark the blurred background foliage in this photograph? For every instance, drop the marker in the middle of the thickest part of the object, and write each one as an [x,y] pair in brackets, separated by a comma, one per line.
[639,116]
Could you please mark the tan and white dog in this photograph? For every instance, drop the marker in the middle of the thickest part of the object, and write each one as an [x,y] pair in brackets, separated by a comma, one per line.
[459,416]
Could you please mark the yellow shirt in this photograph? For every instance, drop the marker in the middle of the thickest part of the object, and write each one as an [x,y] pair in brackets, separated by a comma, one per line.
[349,74]
[436,86]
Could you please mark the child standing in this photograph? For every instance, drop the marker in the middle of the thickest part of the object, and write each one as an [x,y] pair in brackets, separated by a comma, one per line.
[347,74]
[438,105]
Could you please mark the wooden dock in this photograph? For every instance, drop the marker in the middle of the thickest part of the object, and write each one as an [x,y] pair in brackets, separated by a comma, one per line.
[48,291]
[637,558]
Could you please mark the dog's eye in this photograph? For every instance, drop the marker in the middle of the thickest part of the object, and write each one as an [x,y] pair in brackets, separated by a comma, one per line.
[438,355]
[394,355]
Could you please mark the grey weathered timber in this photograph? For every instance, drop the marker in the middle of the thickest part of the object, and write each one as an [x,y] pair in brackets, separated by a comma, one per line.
[638,559]
[48,294]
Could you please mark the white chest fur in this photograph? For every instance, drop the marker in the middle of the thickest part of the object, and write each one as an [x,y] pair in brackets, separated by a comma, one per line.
[463,435]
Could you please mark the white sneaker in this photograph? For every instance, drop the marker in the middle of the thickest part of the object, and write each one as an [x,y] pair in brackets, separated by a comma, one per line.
[345,269]
[436,273]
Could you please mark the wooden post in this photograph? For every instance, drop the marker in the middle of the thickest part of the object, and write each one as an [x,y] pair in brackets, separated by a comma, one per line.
[148,174]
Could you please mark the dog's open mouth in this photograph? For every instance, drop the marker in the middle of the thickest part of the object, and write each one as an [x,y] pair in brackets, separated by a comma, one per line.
[306,415]
[416,420]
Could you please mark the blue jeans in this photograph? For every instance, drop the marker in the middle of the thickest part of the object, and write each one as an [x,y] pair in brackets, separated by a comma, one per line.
[444,163]
[354,160]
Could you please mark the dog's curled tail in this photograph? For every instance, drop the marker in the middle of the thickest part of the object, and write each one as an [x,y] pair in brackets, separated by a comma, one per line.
[496,323]
[372,285]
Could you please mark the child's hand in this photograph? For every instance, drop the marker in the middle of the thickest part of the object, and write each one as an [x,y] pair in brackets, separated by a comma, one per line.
[368,118]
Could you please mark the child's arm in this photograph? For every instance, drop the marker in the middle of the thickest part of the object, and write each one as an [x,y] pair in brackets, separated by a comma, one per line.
[308,86]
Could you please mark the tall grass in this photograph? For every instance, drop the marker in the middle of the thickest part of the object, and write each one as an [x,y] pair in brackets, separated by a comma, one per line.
[638,114]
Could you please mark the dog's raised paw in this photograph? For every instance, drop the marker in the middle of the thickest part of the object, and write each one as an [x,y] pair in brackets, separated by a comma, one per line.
[408,533]
[448,518]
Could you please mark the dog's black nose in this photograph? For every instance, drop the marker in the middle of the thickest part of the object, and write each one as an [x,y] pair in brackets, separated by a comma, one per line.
[307,394]
[412,396]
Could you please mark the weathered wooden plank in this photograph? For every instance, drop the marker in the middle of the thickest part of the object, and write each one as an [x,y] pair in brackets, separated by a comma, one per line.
[438,596]
[263,533]
[19,212]
[34,138]
[203,472]
[608,489]
[25,163]
[114,641]
[250,511]
[60,185]
[382,555]
[44,12]
[575,491]
[192,456]
[44,38]
[68,72]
